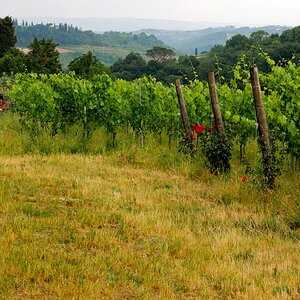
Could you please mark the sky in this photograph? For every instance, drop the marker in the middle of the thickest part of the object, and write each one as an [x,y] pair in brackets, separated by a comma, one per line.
[229,12]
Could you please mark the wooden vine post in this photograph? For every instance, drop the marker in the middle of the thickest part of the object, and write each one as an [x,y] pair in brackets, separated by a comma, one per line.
[141,125]
[184,115]
[85,117]
[215,103]
[220,160]
[262,127]
[259,109]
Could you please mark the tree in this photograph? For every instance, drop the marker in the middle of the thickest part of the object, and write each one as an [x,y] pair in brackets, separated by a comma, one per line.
[238,42]
[13,62]
[87,65]
[7,35]
[43,57]
[259,37]
[165,71]
[130,68]
[160,53]
[291,35]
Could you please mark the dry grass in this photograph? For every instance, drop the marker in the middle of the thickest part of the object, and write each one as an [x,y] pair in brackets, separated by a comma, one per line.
[106,227]
[60,50]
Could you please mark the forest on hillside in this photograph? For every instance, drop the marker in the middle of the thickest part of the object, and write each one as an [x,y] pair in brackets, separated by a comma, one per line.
[190,41]
[65,34]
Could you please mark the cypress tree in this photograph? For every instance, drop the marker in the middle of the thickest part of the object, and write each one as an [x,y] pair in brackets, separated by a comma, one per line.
[43,57]
[8,38]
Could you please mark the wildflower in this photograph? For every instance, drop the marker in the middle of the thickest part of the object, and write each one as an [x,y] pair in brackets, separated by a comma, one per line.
[193,136]
[198,129]
[202,127]
[244,178]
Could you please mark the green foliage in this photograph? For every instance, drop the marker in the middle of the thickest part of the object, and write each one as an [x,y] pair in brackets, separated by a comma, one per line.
[282,88]
[237,42]
[113,106]
[259,37]
[130,68]
[272,161]
[13,62]
[87,66]
[35,101]
[291,35]
[7,35]
[160,53]
[43,57]
[216,147]
[165,71]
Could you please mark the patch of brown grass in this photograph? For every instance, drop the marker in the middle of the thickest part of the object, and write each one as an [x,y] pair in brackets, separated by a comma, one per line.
[88,227]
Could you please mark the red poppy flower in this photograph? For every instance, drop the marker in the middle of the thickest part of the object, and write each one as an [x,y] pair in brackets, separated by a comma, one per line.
[198,129]
[201,127]
[193,136]
[195,127]
[244,178]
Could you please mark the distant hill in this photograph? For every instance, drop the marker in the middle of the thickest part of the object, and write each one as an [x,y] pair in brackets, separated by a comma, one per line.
[65,34]
[112,45]
[108,47]
[205,39]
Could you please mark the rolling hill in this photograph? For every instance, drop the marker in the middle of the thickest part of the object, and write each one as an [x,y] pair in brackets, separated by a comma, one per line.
[205,39]
[113,45]
[108,47]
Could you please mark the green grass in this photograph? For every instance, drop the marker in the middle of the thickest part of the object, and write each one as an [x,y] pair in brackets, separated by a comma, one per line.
[139,223]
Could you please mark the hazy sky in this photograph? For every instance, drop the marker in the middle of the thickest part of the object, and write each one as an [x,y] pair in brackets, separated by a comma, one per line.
[254,12]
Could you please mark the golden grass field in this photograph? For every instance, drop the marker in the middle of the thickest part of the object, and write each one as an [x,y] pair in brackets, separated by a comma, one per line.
[137,224]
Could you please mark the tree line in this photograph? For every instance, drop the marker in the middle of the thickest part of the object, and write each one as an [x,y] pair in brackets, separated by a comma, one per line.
[65,34]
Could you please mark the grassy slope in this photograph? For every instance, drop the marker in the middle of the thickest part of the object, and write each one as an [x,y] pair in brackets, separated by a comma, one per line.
[126,226]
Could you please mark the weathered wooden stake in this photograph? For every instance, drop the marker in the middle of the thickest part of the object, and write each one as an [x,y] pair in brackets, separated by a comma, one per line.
[262,126]
[215,103]
[85,118]
[85,123]
[141,125]
[259,109]
[183,112]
